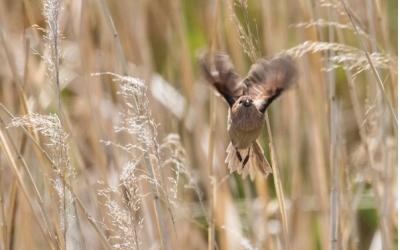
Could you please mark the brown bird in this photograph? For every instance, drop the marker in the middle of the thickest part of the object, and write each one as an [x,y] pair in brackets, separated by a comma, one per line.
[248,100]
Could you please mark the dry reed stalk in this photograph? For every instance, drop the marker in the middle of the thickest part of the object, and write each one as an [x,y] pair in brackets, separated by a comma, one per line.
[23,100]
[149,166]
[31,22]
[246,38]
[354,203]
[3,221]
[329,79]
[271,28]
[186,73]
[232,38]
[382,218]
[276,27]
[249,48]
[316,136]
[212,175]
[12,195]
[324,130]
[363,135]
[12,65]
[354,97]
[94,118]
[26,64]
[262,194]
[65,182]
[11,210]
[47,231]
[52,61]
[278,186]
[296,174]
[116,37]
[374,71]
[145,128]
[384,29]
[348,224]
[382,127]
[211,140]
[335,190]
[370,158]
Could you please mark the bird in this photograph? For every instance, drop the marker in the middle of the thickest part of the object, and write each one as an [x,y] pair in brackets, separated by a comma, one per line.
[248,100]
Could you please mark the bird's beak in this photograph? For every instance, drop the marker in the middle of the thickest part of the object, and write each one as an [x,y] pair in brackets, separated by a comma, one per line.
[247,103]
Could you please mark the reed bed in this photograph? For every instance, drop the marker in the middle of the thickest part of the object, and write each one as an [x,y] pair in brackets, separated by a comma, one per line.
[111,139]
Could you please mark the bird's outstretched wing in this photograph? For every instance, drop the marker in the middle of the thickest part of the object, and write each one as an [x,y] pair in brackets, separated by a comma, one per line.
[222,76]
[267,79]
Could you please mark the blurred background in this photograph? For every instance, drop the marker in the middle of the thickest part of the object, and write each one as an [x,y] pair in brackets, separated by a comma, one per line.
[334,133]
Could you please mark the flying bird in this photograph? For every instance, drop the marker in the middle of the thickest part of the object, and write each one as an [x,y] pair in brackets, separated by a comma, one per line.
[248,100]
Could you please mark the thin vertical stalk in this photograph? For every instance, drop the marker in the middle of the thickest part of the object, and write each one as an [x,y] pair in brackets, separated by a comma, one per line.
[9,59]
[374,71]
[2,210]
[335,175]
[382,126]
[19,87]
[277,180]
[57,67]
[178,22]
[370,157]
[252,53]
[326,77]
[94,117]
[211,140]
[384,29]
[11,210]
[58,89]
[49,234]
[103,238]
[333,137]
[51,13]
[211,171]
[382,220]
[278,185]
[27,46]
[359,120]
[116,37]
[18,82]
[13,67]
[149,166]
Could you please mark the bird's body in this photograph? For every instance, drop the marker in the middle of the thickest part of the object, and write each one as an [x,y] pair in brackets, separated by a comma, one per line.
[248,100]
[244,123]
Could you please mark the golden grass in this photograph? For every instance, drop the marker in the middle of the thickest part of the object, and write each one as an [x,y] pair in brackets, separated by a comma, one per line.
[143,165]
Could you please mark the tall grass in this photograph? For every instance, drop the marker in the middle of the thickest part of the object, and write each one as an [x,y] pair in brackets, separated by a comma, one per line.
[138,159]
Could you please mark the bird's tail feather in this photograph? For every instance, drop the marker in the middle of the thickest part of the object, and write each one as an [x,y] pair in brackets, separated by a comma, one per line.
[248,161]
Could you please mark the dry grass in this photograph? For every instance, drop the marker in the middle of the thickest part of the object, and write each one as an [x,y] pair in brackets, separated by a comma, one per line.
[134,159]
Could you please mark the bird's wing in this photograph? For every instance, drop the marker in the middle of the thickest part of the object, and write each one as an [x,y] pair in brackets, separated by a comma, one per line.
[267,79]
[222,76]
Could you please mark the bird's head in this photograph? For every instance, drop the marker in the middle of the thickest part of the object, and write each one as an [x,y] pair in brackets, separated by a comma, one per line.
[245,115]
[245,107]
[245,101]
